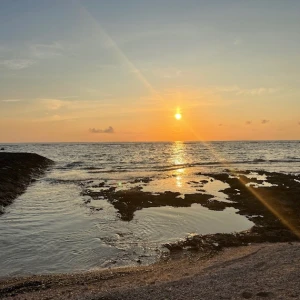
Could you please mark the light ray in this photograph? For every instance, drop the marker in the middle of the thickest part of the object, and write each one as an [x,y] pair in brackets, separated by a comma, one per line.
[274,210]
[108,40]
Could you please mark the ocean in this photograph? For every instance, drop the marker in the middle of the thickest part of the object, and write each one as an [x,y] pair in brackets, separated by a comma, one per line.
[56,227]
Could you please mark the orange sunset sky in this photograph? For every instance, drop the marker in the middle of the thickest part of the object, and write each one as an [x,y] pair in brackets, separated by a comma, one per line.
[96,71]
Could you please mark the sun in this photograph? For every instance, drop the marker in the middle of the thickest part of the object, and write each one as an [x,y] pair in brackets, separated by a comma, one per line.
[178,116]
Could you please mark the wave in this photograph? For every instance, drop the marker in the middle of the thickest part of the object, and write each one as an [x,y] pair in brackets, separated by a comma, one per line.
[120,168]
[109,171]
[293,158]
[92,168]
[74,164]
[222,163]
[284,160]
[259,160]
[63,181]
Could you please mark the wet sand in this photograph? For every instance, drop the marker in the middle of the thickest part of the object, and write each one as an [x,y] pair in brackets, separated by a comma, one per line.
[253,272]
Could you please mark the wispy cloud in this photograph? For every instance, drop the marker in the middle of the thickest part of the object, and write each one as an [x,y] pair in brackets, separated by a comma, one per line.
[167,72]
[265,121]
[97,92]
[186,96]
[17,64]
[11,100]
[106,130]
[67,97]
[31,54]
[53,104]
[182,29]
[43,51]
[244,91]
[248,122]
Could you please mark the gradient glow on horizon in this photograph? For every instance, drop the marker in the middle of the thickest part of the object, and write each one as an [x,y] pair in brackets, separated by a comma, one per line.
[95,71]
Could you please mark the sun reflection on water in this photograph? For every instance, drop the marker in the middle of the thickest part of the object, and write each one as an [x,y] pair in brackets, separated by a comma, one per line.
[179,181]
[178,159]
[178,153]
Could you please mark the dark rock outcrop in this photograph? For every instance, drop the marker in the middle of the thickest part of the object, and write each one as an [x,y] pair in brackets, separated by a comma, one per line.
[17,171]
[127,202]
[274,209]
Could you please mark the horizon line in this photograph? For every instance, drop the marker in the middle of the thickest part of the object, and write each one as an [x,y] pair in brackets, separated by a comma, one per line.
[166,141]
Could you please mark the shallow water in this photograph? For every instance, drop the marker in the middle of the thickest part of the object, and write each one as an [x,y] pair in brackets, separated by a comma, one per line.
[52,228]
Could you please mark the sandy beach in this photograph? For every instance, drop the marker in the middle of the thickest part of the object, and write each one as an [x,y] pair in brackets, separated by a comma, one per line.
[253,272]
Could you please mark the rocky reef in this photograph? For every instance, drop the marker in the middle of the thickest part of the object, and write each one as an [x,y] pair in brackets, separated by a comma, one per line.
[274,209]
[270,200]
[17,171]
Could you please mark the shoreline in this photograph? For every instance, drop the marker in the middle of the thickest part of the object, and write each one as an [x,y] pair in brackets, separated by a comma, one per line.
[186,277]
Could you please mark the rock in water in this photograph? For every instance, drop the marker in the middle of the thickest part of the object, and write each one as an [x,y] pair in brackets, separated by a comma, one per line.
[17,170]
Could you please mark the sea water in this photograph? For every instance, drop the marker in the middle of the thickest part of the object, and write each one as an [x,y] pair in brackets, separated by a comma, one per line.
[52,228]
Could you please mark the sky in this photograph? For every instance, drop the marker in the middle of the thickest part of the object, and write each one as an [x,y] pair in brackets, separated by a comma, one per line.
[99,71]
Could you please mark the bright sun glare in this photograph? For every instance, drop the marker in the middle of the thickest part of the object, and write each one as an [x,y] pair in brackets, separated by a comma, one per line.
[178,116]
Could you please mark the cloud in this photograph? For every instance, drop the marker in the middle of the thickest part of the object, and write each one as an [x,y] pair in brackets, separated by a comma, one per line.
[168,72]
[36,52]
[67,97]
[31,54]
[248,122]
[54,104]
[107,130]
[159,71]
[265,121]
[220,124]
[190,96]
[243,91]
[299,123]
[17,64]
[42,51]
[97,93]
[11,100]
